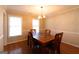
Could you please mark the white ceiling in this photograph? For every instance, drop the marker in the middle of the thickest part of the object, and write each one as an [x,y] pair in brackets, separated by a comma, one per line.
[36,9]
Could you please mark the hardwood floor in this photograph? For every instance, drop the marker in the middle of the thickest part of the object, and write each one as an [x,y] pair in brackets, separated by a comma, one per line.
[22,48]
[17,48]
[68,49]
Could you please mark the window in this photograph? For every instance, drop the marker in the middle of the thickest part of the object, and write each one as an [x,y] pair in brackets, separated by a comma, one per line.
[15,26]
[35,24]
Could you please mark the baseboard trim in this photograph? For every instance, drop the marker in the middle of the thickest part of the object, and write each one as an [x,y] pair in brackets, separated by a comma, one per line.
[15,42]
[71,44]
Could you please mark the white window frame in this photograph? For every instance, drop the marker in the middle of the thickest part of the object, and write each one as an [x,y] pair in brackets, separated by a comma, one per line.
[35,24]
[13,35]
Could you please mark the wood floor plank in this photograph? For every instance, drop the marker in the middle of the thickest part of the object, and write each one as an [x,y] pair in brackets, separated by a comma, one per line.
[22,48]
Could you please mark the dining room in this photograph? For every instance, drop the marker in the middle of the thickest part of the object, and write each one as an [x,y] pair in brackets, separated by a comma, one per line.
[40,29]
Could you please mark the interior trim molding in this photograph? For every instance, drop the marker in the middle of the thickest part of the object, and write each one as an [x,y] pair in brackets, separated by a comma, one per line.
[66,11]
[71,44]
[1,36]
[15,41]
[67,32]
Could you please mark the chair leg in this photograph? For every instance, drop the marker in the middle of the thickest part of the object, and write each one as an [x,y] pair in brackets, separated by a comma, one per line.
[51,51]
[58,51]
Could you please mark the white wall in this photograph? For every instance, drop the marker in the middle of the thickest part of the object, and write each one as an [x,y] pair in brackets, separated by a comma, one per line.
[68,23]
[1,29]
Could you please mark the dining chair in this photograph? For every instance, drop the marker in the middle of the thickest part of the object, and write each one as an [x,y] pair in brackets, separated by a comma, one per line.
[29,39]
[54,45]
[33,43]
[33,31]
[47,31]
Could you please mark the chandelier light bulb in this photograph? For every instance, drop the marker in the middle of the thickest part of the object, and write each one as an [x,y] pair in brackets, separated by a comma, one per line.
[39,17]
[42,16]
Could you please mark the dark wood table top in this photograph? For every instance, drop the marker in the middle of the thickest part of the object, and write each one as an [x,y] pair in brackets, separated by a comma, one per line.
[43,38]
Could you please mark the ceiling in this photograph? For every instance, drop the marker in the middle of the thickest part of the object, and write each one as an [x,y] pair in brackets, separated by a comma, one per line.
[36,9]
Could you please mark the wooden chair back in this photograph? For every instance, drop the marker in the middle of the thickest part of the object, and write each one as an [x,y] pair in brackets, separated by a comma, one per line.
[32,42]
[47,31]
[58,38]
[33,30]
[29,39]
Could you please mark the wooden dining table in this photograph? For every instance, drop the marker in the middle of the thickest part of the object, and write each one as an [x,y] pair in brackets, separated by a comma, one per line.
[43,38]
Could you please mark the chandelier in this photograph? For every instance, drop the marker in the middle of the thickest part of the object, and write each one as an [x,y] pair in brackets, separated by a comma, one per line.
[42,15]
